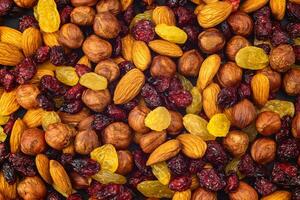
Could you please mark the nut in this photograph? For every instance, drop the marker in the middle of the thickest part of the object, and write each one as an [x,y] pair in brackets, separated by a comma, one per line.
[16,134]
[127,44]
[112,6]
[274,78]
[51,39]
[296,126]
[236,142]
[42,165]
[74,119]
[163,15]
[210,95]
[244,191]
[25,3]
[96,100]
[32,188]
[236,43]
[165,48]
[278,9]
[83,15]
[79,182]
[141,55]
[240,23]
[8,191]
[162,66]
[136,118]
[26,96]
[150,141]
[31,41]
[176,123]
[211,41]
[183,195]
[249,6]
[77,3]
[229,74]
[282,58]
[11,36]
[263,150]
[137,137]
[125,4]
[268,123]
[192,145]
[278,195]
[8,103]
[260,86]
[70,36]
[33,141]
[106,25]
[125,162]
[189,63]
[86,141]
[109,69]
[202,193]
[10,55]
[291,82]
[33,117]
[96,49]
[117,134]
[86,123]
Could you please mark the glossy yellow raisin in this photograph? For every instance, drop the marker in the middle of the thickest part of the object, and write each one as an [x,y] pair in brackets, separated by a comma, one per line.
[218,125]
[196,105]
[93,81]
[158,119]
[48,118]
[106,156]
[196,125]
[281,107]
[171,33]
[47,16]
[3,136]
[67,75]
[147,15]
[251,57]
[184,195]
[186,83]
[161,172]
[105,177]
[154,189]
[3,119]
[233,166]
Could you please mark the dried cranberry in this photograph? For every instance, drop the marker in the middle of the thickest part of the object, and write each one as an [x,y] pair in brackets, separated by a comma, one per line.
[51,85]
[265,47]
[5,7]
[9,125]
[65,14]
[62,3]
[161,83]
[82,69]
[283,173]
[175,3]
[264,187]
[125,195]
[72,58]
[117,47]
[137,177]
[54,196]
[45,102]
[57,55]
[192,33]
[27,21]
[180,183]
[297,53]
[296,194]
[184,16]
[181,98]
[42,54]
[211,180]
[293,29]
[279,36]
[129,14]
[3,152]
[284,132]
[151,96]
[74,197]
[116,113]
[130,105]
[124,29]
[288,150]
[196,166]
[74,93]
[8,79]
[178,165]
[105,192]
[125,67]
[140,162]
[247,166]
[25,70]
[244,91]
[232,182]
[72,107]
[101,121]
[262,23]
[9,173]
[227,97]
[175,84]
[215,154]
[225,29]
[85,167]
[23,164]
[143,30]
[293,11]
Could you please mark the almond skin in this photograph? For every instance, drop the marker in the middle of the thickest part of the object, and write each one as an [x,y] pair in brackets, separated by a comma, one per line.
[165,48]
[10,55]
[192,145]
[260,86]
[150,141]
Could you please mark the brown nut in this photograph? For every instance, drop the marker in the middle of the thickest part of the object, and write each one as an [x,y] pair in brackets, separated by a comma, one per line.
[33,141]
[86,141]
[2,196]
[83,16]
[77,3]
[96,100]
[268,123]
[236,142]
[189,63]
[291,82]
[244,191]
[263,150]
[229,74]
[106,25]
[162,66]
[117,134]
[176,124]
[236,43]
[274,78]
[296,126]
[79,182]
[282,58]
[109,69]
[125,162]
[32,188]
[58,135]
[150,141]
[70,36]
[211,41]
[201,194]
[25,3]
[137,117]
[74,119]
[96,49]
[86,123]
[113,6]
[240,23]
[26,96]
[137,137]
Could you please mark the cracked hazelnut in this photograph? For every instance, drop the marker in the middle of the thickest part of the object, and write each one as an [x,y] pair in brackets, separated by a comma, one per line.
[268,123]
[263,150]
[86,123]
[33,141]
[96,49]
[189,63]
[291,82]
[125,162]
[236,43]
[296,126]
[79,182]
[70,36]
[83,15]
[74,119]
[96,100]
[32,188]
[229,74]
[176,124]
[201,194]
[25,3]
[236,142]
[117,134]
[113,6]
[282,58]
[26,96]
[106,25]
[162,66]
[150,141]
[137,117]
[244,191]
[77,3]
[240,23]
[274,78]
[86,141]
[109,69]
[211,41]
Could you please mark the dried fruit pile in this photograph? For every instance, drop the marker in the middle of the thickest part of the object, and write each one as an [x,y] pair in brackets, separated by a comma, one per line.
[150,99]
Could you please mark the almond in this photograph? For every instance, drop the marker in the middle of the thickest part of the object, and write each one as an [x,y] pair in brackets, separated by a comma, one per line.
[278,195]
[192,145]
[31,41]
[260,86]
[150,141]
[141,55]
[8,102]
[84,60]
[165,48]
[210,95]
[33,117]
[129,86]
[51,39]
[249,6]
[184,195]
[11,36]
[10,55]
[127,44]
[163,15]
[15,136]
[125,4]
[278,8]
[42,165]
[9,191]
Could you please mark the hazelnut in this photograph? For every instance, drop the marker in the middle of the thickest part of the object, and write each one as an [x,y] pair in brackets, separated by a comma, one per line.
[268,123]
[211,41]
[240,23]
[162,66]
[125,162]
[229,74]
[32,188]
[2,196]
[234,45]
[106,25]
[74,119]
[96,100]
[77,3]
[136,118]
[33,141]
[189,63]
[137,137]
[202,193]
[25,3]
[150,141]
[83,16]
[113,6]
[58,135]
[244,191]
[70,149]
[26,96]
[296,126]
[79,182]
[236,142]
[282,58]
[86,123]
[96,49]
[176,123]
[70,36]
[291,82]
[274,78]
[86,141]
[263,150]
[117,134]
[109,69]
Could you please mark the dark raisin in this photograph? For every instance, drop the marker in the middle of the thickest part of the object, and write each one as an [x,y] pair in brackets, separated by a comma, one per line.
[225,29]
[283,173]
[82,69]
[9,125]
[265,47]
[232,182]
[72,58]
[42,54]
[57,56]
[244,91]
[117,47]
[143,30]
[184,16]
[297,104]
[9,173]
[52,154]
[85,167]
[72,107]
[66,160]
[25,70]
[137,177]
[105,192]
[124,29]
[140,162]
[125,195]
[288,150]
[284,132]
[192,33]
[264,186]
[65,14]
[196,165]
[178,165]
[215,154]
[129,14]
[116,113]
[51,85]
[23,164]
[262,23]
[130,105]
[161,83]
[175,3]
[175,84]
[211,180]
[293,11]
[293,29]
[296,194]
[248,75]
[151,96]
[74,197]
[45,102]
[180,183]
[279,36]
[181,98]
[247,166]
[74,93]
[8,79]
[125,67]
[101,121]
[5,7]
[27,21]
[297,53]
[227,97]
[3,152]
[54,196]
[62,3]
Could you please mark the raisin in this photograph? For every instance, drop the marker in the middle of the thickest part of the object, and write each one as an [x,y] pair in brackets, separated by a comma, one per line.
[264,186]
[143,30]
[296,194]
[175,84]
[117,47]
[106,192]
[72,107]
[72,58]
[244,91]
[178,165]
[23,164]
[246,166]
[54,196]
[125,67]
[279,36]
[297,53]
[45,102]
[161,83]
[74,93]
[184,16]
[101,121]
[42,54]
[225,29]
[227,97]
[265,47]
[27,21]
[283,173]
[116,113]
[181,98]
[25,70]
[232,182]
[288,150]
[3,152]
[293,11]
[151,96]
[62,3]
[211,180]
[9,125]
[52,154]
[65,14]
[57,56]
[8,79]
[192,33]
[293,29]
[262,23]
[85,167]
[140,162]
[5,7]
[175,3]
[297,104]
[82,69]
[136,178]
[129,14]
[180,183]
[9,173]
[196,166]
[130,105]
[215,154]
[284,132]
[51,85]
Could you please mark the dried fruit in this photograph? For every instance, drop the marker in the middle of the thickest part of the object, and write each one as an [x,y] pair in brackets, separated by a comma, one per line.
[143,29]
[93,81]
[161,172]
[105,177]
[218,125]
[158,119]
[165,48]
[251,57]
[10,55]
[67,75]
[192,145]
[141,55]
[8,103]
[171,33]
[196,105]
[48,16]
[154,189]
[106,156]
[281,107]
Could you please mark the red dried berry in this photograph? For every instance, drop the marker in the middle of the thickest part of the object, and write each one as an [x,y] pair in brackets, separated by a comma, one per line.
[54,196]
[293,11]
[85,167]
[51,86]
[211,180]
[196,166]
[293,29]
[27,21]
[130,105]
[23,164]
[215,154]
[72,107]
[263,23]
[161,83]
[42,54]
[82,69]
[178,165]
[151,96]
[181,98]
[129,14]
[175,84]
[3,152]
[65,14]
[5,7]
[125,67]
[247,166]
[264,186]
[74,197]
[180,183]
[101,121]
[57,56]
[143,30]
[74,93]
[9,125]
[45,102]
[288,150]
[116,113]
[184,16]
[140,162]
[284,173]
[297,52]
[232,182]
[25,71]
[7,79]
